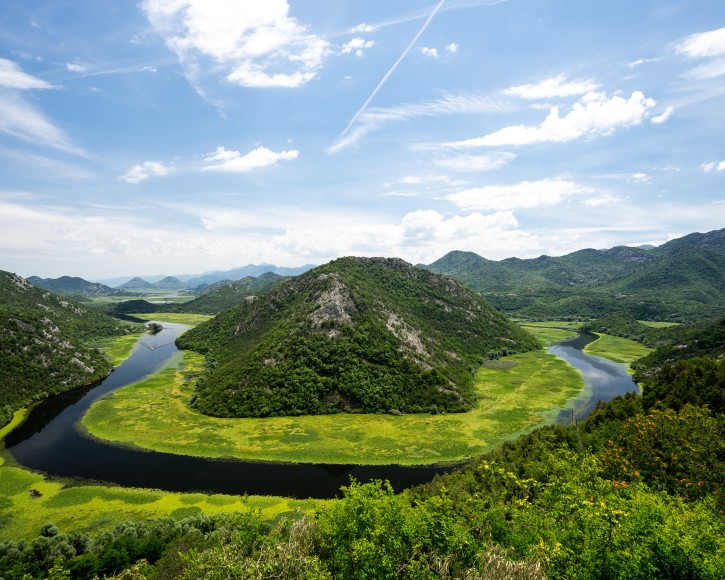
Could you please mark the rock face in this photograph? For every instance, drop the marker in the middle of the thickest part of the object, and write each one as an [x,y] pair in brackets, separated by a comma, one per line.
[356,335]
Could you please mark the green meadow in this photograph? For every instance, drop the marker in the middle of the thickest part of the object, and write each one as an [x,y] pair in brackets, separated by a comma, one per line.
[515,395]
[620,350]
[175,317]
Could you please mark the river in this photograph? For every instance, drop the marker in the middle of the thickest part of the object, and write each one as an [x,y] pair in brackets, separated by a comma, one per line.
[49,442]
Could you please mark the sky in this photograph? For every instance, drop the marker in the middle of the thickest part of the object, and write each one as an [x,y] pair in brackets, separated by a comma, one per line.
[184,136]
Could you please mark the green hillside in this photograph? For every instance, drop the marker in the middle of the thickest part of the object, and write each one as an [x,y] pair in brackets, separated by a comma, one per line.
[43,343]
[358,335]
[683,280]
[220,296]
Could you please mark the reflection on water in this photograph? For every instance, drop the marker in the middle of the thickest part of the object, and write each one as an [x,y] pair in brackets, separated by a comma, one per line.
[604,379]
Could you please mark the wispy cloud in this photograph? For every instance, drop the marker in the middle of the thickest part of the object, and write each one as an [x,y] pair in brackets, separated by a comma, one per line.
[145,170]
[339,144]
[429,51]
[252,44]
[524,195]
[476,163]
[233,161]
[586,119]
[713,166]
[708,46]
[666,114]
[557,86]
[21,119]
[447,104]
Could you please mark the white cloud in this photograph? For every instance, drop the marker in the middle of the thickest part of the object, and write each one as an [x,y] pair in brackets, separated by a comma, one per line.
[711,70]
[713,165]
[553,87]
[641,61]
[452,48]
[362,28]
[21,119]
[77,67]
[254,44]
[12,77]
[524,195]
[429,52]
[143,171]
[233,161]
[593,118]
[602,200]
[488,162]
[703,44]
[666,114]
[357,45]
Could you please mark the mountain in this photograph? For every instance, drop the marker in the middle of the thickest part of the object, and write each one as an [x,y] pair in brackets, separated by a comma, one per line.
[73,286]
[223,295]
[136,284]
[249,270]
[682,280]
[357,334]
[44,343]
[169,283]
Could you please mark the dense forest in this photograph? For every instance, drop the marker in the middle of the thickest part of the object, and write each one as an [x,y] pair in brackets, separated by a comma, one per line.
[44,344]
[355,335]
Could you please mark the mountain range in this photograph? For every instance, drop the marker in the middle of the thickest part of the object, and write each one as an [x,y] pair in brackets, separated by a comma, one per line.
[682,280]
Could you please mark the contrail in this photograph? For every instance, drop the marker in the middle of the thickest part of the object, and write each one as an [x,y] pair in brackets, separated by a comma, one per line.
[392,69]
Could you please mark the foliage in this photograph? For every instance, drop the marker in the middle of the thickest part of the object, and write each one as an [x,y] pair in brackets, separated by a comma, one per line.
[43,344]
[360,335]
[221,296]
[680,281]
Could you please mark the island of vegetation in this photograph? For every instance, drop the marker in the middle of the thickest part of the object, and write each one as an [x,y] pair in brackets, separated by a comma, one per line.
[357,335]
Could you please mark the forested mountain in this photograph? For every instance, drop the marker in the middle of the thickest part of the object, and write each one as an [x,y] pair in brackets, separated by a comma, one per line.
[254,270]
[136,284]
[73,286]
[682,280]
[358,334]
[43,340]
[220,296]
[169,283]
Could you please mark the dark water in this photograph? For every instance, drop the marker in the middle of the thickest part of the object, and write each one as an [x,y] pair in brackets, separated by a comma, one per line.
[48,441]
[604,379]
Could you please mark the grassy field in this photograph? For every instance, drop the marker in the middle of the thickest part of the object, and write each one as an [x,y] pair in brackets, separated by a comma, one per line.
[620,350]
[515,395]
[118,349]
[29,500]
[548,335]
[657,324]
[173,317]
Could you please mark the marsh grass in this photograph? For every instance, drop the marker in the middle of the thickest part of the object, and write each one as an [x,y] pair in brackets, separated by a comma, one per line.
[119,348]
[29,500]
[175,317]
[620,350]
[524,391]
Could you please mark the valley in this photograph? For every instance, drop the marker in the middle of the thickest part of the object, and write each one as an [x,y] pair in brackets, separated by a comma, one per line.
[461,406]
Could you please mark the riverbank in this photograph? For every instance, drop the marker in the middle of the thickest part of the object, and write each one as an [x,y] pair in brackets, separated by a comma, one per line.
[527,391]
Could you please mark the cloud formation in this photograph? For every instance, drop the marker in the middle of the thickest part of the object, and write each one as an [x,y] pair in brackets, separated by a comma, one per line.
[713,165]
[556,86]
[233,161]
[254,44]
[524,195]
[21,119]
[357,45]
[666,114]
[143,171]
[429,52]
[471,163]
[705,45]
[594,116]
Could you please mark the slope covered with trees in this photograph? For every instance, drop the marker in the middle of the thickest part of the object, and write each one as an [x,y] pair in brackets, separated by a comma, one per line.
[682,280]
[358,334]
[43,340]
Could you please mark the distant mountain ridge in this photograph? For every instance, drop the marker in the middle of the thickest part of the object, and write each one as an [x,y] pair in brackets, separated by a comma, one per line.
[73,286]
[357,335]
[681,280]
[166,283]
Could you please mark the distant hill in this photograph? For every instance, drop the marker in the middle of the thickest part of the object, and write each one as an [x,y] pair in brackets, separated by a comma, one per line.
[73,286]
[220,296]
[250,270]
[358,335]
[43,343]
[169,283]
[682,280]
[136,284]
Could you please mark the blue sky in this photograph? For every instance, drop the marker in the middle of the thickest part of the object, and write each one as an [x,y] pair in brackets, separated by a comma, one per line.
[181,136]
